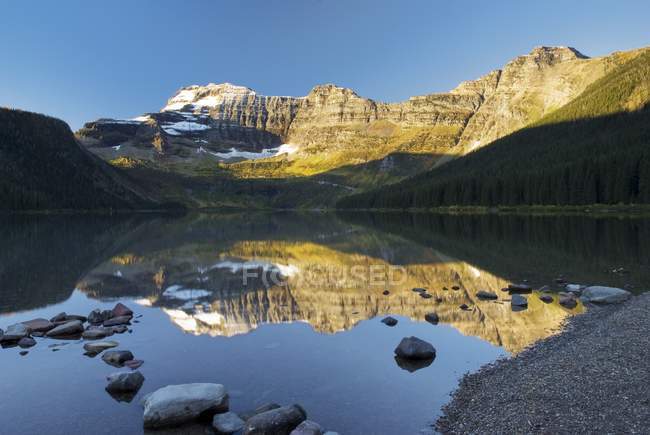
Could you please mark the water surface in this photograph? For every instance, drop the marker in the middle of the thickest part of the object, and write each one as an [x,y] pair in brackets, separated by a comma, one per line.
[304,327]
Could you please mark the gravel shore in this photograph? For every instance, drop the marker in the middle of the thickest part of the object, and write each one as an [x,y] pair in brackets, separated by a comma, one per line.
[591,378]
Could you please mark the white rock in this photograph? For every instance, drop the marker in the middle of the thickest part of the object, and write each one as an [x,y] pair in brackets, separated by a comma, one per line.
[605,295]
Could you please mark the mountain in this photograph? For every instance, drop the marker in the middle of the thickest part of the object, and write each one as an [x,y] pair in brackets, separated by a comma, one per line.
[220,139]
[43,167]
[595,149]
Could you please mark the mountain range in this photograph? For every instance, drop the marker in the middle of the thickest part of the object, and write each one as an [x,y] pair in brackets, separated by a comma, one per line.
[222,145]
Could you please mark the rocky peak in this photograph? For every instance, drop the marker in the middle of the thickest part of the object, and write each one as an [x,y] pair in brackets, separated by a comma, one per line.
[208,96]
[553,55]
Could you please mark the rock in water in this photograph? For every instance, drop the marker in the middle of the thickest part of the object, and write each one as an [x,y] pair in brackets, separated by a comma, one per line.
[414,348]
[95,333]
[115,321]
[39,325]
[390,321]
[15,333]
[463,307]
[605,295]
[568,302]
[482,294]
[227,423]
[412,365]
[308,427]
[546,298]
[419,290]
[176,404]
[99,346]
[133,363]
[72,327]
[432,318]
[277,421]
[519,288]
[59,317]
[124,382]
[117,358]
[518,301]
[26,342]
[121,310]
[71,317]
[98,316]
[260,409]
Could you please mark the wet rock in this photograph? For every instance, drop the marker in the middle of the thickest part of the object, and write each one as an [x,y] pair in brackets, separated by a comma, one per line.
[425,295]
[59,318]
[97,316]
[117,358]
[97,333]
[574,288]
[463,307]
[432,318]
[121,310]
[26,342]
[39,325]
[15,333]
[99,346]
[176,404]
[227,423]
[23,352]
[546,298]
[119,329]
[412,365]
[518,301]
[605,295]
[482,294]
[568,302]
[455,287]
[73,327]
[560,281]
[385,293]
[390,321]
[127,382]
[519,288]
[72,317]
[115,321]
[133,364]
[277,421]
[260,409]
[415,348]
[308,427]
[419,290]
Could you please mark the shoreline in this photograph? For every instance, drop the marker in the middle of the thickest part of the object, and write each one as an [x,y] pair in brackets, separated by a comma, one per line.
[588,378]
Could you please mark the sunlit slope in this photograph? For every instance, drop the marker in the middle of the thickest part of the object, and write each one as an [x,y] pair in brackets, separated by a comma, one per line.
[595,149]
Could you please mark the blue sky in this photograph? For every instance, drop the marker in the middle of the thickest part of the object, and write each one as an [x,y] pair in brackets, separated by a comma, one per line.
[81,60]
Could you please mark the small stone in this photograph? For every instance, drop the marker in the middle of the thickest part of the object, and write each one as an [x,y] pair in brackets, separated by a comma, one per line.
[59,317]
[415,348]
[605,295]
[425,296]
[519,288]
[117,358]
[455,287]
[97,333]
[445,288]
[26,342]
[70,328]
[23,352]
[308,427]
[432,318]
[119,329]
[463,307]
[546,298]
[518,301]
[124,382]
[419,290]
[482,294]
[227,423]
[71,317]
[390,321]
[385,293]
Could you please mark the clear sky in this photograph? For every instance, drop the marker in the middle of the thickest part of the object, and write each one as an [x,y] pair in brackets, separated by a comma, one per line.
[80,60]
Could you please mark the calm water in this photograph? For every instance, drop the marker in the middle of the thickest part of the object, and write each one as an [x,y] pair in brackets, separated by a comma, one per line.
[305,326]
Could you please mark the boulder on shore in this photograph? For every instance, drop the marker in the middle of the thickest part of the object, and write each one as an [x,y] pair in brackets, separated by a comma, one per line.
[176,404]
[415,348]
[72,327]
[276,421]
[605,295]
[227,423]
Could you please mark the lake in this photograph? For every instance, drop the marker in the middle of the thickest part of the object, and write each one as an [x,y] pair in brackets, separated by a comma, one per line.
[287,307]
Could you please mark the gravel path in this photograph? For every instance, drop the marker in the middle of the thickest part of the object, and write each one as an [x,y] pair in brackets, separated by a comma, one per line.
[592,378]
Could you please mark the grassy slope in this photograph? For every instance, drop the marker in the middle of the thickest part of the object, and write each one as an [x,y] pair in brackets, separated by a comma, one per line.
[593,150]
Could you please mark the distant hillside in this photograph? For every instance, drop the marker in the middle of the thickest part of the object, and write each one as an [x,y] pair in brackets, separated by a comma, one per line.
[43,167]
[595,149]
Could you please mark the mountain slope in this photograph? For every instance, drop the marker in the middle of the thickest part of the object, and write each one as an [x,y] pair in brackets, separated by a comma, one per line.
[595,149]
[43,167]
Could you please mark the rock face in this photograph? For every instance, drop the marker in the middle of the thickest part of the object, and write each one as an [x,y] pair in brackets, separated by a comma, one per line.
[605,295]
[277,421]
[176,404]
[415,348]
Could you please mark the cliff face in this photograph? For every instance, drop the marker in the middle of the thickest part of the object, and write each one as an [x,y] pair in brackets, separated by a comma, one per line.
[332,129]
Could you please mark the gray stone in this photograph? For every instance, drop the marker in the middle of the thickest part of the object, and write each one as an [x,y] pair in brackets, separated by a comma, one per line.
[39,325]
[426,295]
[72,327]
[97,333]
[98,316]
[415,348]
[26,342]
[568,302]
[99,346]
[124,382]
[71,317]
[519,288]
[546,298]
[432,318]
[390,321]
[176,404]
[59,317]
[482,294]
[419,290]
[117,358]
[518,301]
[277,421]
[227,423]
[15,333]
[121,310]
[308,427]
[260,409]
[605,295]
[115,321]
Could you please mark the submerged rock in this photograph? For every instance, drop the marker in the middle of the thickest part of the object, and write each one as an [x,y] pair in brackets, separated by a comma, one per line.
[419,290]
[39,325]
[26,342]
[463,307]
[415,348]
[176,404]
[426,295]
[390,321]
[385,293]
[227,423]
[482,294]
[133,364]
[605,295]
[276,421]
[72,327]
[117,358]
[308,427]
